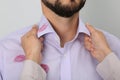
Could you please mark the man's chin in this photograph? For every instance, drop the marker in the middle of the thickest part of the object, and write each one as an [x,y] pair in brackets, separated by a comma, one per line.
[61,10]
[67,15]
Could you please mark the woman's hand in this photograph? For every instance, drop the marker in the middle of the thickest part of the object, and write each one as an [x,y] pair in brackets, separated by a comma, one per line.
[32,45]
[96,44]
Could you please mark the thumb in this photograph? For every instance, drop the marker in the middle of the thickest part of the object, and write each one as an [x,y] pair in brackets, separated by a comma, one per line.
[90,28]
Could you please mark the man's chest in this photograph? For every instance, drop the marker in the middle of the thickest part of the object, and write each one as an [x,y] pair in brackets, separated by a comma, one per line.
[73,62]
[70,63]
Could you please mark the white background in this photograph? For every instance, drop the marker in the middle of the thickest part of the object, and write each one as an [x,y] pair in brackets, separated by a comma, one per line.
[16,14]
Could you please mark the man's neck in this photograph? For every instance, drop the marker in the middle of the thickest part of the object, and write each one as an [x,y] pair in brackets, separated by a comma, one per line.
[66,28]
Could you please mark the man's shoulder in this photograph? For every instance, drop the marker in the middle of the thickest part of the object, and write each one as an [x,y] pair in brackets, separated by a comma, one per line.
[12,41]
[16,34]
[111,38]
[113,42]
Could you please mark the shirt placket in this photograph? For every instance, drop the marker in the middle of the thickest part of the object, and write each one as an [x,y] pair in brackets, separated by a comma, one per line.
[65,65]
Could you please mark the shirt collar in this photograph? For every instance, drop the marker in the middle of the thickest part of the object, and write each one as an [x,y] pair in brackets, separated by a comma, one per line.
[82,28]
[45,27]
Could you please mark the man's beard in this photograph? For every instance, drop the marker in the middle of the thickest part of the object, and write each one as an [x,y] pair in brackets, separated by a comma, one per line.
[64,10]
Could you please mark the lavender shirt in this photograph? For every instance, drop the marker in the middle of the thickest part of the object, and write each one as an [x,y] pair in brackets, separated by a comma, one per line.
[73,62]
